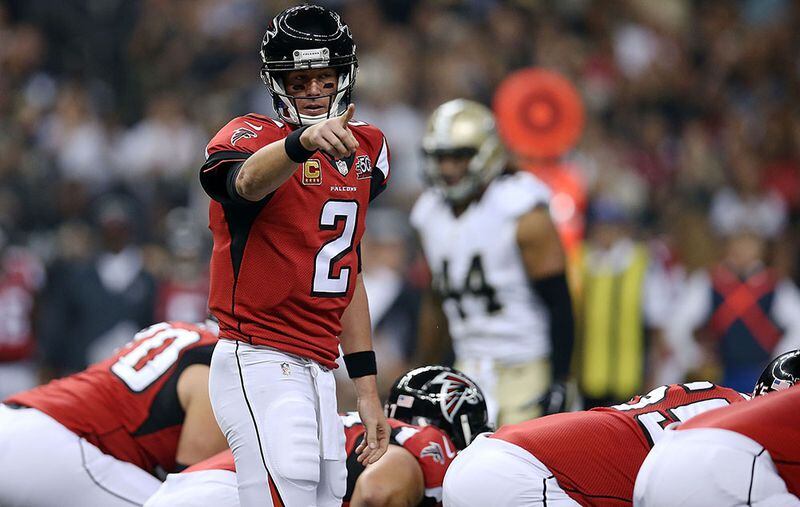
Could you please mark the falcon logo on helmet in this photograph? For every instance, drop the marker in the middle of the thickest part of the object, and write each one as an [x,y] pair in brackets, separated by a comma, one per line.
[308,37]
[443,397]
[456,390]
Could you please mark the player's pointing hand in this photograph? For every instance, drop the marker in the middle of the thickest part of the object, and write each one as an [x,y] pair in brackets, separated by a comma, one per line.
[333,136]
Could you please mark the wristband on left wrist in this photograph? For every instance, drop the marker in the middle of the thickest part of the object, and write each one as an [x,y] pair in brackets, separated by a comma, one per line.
[361,364]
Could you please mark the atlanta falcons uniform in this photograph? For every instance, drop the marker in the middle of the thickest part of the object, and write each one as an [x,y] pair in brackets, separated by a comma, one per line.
[748,454]
[577,458]
[21,277]
[99,437]
[498,326]
[213,481]
[279,336]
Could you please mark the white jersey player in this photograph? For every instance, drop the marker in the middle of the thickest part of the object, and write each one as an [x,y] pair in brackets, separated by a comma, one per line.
[497,265]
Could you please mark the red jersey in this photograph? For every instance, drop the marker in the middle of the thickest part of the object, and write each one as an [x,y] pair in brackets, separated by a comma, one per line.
[596,454]
[128,404]
[430,446]
[283,269]
[773,421]
[21,276]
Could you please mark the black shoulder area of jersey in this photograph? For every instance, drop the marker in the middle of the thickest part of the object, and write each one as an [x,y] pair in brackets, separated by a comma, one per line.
[166,410]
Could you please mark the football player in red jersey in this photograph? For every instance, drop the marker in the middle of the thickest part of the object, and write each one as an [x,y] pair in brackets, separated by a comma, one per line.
[101,436]
[411,471]
[579,458]
[742,455]
[289,203]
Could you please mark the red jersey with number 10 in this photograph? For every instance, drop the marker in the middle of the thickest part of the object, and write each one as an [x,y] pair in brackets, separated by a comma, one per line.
[773,421]
[128,405]
[283,269]
[596,454]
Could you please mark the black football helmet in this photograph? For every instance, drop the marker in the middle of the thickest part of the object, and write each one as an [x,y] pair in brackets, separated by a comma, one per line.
[308,37]
[440,396]
[783,372]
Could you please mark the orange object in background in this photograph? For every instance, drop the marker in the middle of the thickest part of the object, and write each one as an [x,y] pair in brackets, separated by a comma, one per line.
[540,117]
[569,201]
[539,113]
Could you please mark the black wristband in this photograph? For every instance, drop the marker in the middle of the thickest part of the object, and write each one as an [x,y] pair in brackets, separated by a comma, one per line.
[294,148]
[361,364]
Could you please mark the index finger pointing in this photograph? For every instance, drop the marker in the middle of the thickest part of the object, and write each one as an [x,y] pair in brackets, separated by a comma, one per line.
[348,115]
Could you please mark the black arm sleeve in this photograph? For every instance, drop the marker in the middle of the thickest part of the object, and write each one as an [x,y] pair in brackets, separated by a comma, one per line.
[218,176]
[554,293]
[377,185]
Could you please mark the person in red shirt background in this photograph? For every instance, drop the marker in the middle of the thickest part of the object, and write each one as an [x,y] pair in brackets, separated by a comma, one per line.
[103,436]
[21,279]
[289,203]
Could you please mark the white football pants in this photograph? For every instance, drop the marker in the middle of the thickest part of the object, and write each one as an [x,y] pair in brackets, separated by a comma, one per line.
[709,466]
[494,472]
[43,464]
[203,488]
[278,412]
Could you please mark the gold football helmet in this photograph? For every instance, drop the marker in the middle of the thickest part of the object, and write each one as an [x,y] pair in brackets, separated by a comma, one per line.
[462,129]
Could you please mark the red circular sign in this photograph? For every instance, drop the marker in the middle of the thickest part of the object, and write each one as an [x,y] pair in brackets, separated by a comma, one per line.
[539,113]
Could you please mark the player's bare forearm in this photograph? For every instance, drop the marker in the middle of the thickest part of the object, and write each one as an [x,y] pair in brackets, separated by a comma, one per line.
[356,336]
[200,436]
[268,168]
[545,264]
[540,245]
[265,171]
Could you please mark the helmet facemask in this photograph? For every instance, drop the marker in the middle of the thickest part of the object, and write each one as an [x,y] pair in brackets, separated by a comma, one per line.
[286,105]
[462,129]
[484,165]
[302,38]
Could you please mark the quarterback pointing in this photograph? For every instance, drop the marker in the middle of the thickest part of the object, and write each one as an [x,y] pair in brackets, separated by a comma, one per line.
[289,203]
[498,267]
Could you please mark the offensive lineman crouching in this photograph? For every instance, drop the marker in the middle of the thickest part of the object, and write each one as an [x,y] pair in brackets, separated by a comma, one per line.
[424,439]
[741,455]
[101,436]
[593,457]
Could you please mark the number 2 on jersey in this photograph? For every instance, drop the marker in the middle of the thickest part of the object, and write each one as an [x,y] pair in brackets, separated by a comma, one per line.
[325,284]
[139,374]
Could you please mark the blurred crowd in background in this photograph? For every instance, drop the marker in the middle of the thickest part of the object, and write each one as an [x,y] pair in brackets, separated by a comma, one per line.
[691,148]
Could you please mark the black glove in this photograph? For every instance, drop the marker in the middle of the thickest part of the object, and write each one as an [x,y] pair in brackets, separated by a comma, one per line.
[555,399]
